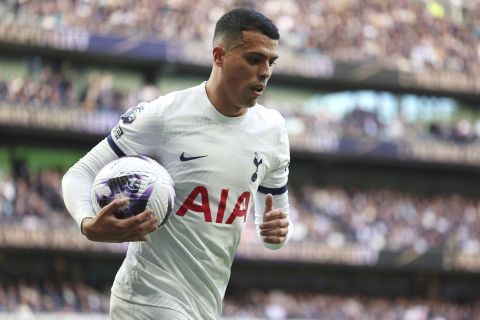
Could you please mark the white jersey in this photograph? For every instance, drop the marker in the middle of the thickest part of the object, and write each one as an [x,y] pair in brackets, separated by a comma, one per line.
[218,164]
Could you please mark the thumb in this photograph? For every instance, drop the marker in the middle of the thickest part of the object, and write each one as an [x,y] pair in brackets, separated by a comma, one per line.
[268,203]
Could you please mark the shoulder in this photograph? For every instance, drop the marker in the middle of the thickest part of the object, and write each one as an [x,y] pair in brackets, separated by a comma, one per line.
[155,115]
[146,113]
[269,118]
[175,100]
[270,125]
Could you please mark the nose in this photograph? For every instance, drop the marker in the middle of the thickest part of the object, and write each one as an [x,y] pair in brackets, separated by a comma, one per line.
[265,71]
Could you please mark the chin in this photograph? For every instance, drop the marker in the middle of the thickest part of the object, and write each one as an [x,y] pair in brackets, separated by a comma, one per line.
[251,103]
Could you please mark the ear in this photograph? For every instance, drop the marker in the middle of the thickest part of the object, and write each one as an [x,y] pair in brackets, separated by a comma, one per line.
[218,54]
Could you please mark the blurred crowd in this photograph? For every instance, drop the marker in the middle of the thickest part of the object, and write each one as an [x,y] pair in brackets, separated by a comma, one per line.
[335,217]
[30,297]
[278,305]
[382,219]
[412,35]
[455,140]
[62,85]
[32,198]
[317,128]
[51,296]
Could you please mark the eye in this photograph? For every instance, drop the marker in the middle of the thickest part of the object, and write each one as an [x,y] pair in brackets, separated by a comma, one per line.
[271,63]
[254,60]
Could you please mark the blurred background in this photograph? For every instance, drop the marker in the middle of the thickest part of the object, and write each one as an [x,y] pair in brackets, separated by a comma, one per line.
[382,102]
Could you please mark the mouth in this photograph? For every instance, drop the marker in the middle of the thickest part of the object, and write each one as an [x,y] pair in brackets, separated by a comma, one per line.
[258,90]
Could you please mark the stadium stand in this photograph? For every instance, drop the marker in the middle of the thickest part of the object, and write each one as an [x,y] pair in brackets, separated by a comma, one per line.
[412,34]
[28,298]
[337,218]
[381,124]
[409,233]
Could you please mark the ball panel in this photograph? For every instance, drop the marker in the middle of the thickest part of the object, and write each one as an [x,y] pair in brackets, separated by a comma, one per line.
[162,201]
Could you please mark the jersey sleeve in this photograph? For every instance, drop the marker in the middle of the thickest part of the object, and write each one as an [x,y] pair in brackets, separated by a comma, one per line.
[77,181]
[275,181]
[138,131]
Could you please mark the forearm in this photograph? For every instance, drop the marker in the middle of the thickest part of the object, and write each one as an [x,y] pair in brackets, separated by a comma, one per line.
[77,181]
[279,202]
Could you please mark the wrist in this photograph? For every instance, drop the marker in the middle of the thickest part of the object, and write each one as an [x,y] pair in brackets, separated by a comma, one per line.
[84,223]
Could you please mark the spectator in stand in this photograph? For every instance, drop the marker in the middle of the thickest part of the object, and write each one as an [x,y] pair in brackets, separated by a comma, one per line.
[66,297]
[409,35]
[52,85]
[323,130]
[46,296]
[378,219]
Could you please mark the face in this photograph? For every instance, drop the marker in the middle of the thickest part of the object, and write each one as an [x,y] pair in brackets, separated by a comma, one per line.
[246,68]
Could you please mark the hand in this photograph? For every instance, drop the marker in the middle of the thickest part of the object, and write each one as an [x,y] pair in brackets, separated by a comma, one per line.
[274,228]
[105,227]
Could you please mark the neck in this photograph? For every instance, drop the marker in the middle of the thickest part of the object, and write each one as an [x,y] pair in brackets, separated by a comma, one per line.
[218,96]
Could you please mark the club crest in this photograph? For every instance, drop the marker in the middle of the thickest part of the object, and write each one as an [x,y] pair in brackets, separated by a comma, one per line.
[257,163]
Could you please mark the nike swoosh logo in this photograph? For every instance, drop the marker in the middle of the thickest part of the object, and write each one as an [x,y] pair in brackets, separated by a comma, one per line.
[183,158]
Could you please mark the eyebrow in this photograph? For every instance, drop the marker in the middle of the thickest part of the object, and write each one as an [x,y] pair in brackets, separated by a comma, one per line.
[261,55]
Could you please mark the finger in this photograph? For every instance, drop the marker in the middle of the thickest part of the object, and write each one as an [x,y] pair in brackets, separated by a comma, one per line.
[274,215]
[139,218]
[148,225]
[268,203]
[281,232]
[274,224]
[142,225]
[147,215]
[274,240]
[112,206]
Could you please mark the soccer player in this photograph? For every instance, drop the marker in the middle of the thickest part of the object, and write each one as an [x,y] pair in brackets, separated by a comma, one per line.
[228,157]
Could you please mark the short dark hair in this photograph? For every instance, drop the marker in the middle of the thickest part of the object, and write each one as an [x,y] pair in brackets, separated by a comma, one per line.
[235,21]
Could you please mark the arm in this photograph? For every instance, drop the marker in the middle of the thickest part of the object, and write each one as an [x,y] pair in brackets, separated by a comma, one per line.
[271,201]
[104,226]
[77,181]
[136,133]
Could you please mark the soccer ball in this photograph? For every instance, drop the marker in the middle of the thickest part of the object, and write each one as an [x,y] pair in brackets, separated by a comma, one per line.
[140,179]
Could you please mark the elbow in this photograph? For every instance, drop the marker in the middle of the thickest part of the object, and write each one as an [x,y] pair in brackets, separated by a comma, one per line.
[65,179]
